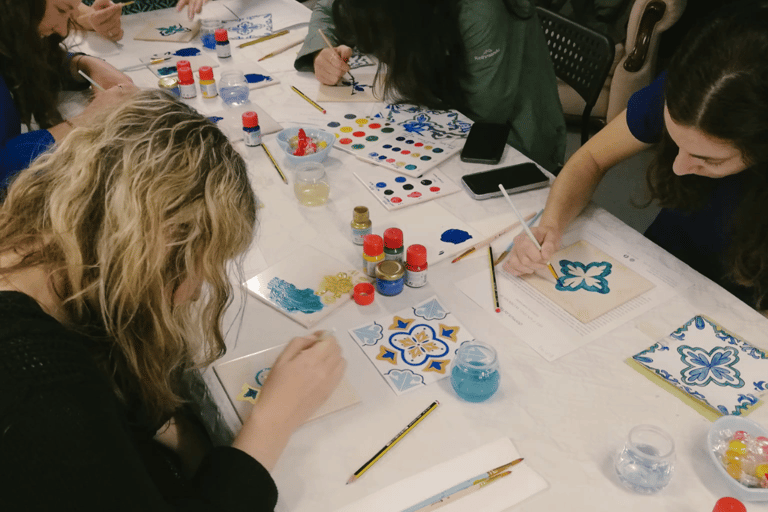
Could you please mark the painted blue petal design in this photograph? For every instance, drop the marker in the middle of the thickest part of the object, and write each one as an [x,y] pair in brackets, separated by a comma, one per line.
[261,376]
[291,299]
[761,385]
[405,379]
[215,119]
[369,334]
[715,366]
[431,310]
[419,345]
[577,276]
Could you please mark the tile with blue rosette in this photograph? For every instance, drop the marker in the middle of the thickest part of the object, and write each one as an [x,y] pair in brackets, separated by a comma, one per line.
[591,283]
[415,346]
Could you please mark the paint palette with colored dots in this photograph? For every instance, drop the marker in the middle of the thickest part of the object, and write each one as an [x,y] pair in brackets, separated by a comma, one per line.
[385,143]
[402,191]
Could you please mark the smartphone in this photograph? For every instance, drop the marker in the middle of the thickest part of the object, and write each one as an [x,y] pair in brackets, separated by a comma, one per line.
[514,178]
[485,143]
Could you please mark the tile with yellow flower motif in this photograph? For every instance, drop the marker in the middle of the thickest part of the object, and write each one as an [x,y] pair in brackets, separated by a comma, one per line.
[413,347]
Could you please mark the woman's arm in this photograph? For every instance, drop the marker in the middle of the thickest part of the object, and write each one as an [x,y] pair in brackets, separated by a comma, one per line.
[571,192]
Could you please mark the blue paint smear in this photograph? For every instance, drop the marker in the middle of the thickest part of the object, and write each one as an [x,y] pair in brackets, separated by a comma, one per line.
[254,78]
[290,298]
[187,52]
[215,119]
[455,236]
[167,70]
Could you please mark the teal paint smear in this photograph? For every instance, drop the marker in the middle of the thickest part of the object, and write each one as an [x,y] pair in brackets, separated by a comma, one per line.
[455,236]
[290,298]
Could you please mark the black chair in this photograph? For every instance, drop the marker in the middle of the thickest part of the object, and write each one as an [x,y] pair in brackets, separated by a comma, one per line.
[581,56]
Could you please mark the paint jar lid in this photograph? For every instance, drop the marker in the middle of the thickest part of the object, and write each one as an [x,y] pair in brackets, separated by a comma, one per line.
[390,270]
[729,504]
[363,293]
[205,72]
[393,238]
[183,64]
[250,119]
[185,76]
[416,255]
[221,34]
[360,214]
[373,245]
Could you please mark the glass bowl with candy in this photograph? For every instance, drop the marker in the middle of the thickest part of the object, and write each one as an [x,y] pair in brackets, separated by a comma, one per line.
[739,449]
[305,144]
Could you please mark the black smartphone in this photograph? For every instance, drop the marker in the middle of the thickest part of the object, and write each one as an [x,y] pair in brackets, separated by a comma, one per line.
[485,143]
[514,178]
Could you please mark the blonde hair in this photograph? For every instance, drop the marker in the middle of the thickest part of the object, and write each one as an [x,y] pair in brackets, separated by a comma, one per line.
[122,213]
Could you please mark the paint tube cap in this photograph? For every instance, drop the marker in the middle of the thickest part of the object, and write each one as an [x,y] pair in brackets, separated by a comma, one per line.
[373,245]
[185,76]
[390,270]
[393,238]
[363,293]
[729,504]
[205,72]
[416,255]
[250,119]
[221,34]
[183,64]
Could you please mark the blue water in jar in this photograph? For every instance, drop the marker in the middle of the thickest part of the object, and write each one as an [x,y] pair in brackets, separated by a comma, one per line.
[641,474]
[234,96]
[209,41]
[475,373]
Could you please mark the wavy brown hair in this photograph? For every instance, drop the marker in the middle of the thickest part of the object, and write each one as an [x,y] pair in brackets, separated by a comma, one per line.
[717,83]
[30,65]
[121,214]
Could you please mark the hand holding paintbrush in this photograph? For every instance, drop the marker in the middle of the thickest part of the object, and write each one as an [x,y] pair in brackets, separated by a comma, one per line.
[331,63]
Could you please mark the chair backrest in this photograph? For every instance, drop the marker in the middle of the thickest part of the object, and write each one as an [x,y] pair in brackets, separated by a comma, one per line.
[582,58]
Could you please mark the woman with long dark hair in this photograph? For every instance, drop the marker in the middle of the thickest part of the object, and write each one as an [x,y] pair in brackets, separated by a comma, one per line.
[485,58]
[708,115]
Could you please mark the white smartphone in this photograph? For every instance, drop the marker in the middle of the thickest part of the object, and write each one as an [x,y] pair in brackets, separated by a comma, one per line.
[514,178]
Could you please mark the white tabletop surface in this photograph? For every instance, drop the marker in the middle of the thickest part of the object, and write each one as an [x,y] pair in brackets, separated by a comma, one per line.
[568,418]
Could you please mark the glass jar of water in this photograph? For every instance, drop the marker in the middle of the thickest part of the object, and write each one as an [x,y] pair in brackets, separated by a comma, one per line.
[311,184]
[475,373]
[233,88]
[646,462]
[207,30]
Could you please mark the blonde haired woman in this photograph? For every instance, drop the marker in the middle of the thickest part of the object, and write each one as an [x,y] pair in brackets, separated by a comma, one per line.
[113,279]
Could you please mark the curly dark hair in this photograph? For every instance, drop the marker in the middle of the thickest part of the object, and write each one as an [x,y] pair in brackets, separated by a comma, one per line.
[30,64]
[717,83]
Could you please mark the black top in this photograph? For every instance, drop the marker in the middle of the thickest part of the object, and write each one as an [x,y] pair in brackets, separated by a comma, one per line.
[67,443]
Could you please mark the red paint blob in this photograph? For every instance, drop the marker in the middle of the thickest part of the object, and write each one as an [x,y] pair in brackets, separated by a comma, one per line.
[434,189]
[414,194]
[359,134]
[419,144]
[396,200]
[390,160]
[345,141]
[405,151]
[374,125]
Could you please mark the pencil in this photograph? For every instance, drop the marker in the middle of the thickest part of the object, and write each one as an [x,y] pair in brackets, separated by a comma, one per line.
[493,281]
[280,50]
[90,80]
[318,107]
[265,38]
[277,167]
[525,226]
[330,45]
[365,467]
[512,243]
[488,240]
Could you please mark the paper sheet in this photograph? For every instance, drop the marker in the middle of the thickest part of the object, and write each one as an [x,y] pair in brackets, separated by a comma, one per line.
[511,490]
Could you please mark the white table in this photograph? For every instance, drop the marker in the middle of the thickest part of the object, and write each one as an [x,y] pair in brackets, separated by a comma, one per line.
[568,418]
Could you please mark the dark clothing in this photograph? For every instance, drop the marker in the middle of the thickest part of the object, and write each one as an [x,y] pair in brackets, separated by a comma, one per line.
[67,443]
[142,5]
[703,237]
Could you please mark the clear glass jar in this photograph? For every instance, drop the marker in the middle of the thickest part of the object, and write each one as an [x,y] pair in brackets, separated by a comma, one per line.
[233,88]
[311,184]
[475,373]
[645,464]
[207,29]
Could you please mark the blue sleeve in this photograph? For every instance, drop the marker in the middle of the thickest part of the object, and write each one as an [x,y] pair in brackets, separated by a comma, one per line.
[645,112]
[17,150]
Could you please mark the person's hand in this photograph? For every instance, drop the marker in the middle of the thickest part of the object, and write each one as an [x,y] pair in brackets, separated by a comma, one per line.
[330,65]
[102,73]
[302,378]
[195,7]
[105,19]
[104,101]
[525,258]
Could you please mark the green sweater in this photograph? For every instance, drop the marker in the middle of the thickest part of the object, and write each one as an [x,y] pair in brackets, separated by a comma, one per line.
[510,76]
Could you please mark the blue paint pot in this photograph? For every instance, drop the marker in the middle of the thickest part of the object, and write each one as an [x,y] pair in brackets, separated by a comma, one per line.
[389,277]
[475,373]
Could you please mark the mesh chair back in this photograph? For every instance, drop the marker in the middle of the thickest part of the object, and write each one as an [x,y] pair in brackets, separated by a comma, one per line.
[582,58]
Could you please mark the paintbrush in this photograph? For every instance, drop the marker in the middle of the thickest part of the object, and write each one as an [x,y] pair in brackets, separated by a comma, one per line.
[90,80]
[330,45]
[488,240]
[509,247]
[265,38]
[280,50]
[136,67]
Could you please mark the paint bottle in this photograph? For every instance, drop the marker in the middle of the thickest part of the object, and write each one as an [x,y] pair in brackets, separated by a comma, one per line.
[361,224]
[251,130]
[389,277]
[393,244]
[183,64]
[729,504]
[222,43]
[187,83]
[416,266]
[373,253]
[207,82]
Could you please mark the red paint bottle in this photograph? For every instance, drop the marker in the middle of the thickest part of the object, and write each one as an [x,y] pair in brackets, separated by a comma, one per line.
[416,266]
[393,244]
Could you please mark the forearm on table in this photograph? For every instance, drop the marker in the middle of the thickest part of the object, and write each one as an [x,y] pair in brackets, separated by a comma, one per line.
[263,437]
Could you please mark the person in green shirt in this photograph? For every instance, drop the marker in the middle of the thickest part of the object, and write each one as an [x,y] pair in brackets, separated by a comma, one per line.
[486,58]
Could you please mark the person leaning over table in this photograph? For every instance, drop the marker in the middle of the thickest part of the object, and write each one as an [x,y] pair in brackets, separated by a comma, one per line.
[708,116]
[485,58]
[34,67]
[114,251]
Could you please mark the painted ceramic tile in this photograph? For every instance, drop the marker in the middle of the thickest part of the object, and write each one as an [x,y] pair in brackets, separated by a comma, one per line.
[257,77]
[169,29]
[415,346]
[306,292]
[436,125]
[167,67]
[710,364]
[354,86]
[230,121]
[249,28]
[591,282]
[243,378]
[358,60]
[396,192]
